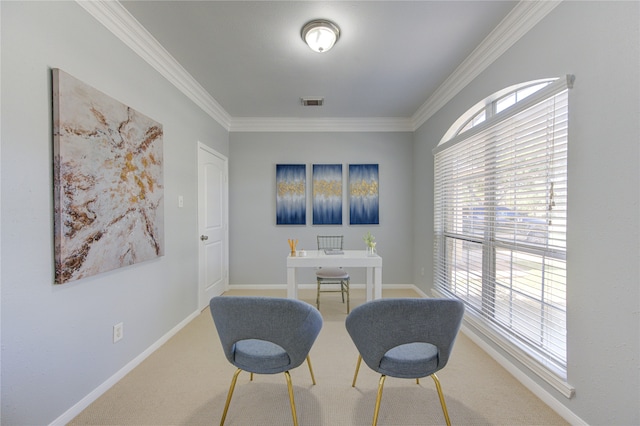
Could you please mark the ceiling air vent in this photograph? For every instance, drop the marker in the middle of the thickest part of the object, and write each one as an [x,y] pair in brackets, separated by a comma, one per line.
[312,101]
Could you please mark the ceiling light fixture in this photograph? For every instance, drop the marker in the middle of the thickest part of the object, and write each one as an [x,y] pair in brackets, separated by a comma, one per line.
[320,34]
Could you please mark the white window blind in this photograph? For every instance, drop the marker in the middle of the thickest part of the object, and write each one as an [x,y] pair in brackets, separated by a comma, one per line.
[500,224]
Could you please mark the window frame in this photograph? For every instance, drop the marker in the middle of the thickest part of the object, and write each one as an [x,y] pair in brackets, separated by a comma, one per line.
[459,132]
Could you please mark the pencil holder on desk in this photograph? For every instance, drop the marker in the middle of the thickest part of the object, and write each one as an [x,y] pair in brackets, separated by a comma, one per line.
[292,246]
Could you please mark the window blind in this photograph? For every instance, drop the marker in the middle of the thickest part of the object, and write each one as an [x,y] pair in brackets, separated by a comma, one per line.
[500,224]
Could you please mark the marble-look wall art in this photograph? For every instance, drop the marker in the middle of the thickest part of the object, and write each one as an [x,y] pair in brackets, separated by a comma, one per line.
[108,188]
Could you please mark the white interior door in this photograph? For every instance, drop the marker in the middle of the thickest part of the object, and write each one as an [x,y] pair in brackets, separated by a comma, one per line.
[212,224]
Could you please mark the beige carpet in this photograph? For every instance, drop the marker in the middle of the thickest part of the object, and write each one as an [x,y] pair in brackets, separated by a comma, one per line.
[186,381]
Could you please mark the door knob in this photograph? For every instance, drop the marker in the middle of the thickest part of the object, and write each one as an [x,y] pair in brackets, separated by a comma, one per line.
[203,238]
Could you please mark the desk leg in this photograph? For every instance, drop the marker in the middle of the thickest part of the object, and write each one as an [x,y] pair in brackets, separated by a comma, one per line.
[377,283]
[292,286]
[369,289]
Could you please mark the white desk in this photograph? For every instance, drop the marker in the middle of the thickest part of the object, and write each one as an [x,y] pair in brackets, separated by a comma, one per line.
[350,259]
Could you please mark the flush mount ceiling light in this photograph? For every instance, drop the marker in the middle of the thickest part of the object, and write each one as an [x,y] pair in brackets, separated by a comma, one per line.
[320,34]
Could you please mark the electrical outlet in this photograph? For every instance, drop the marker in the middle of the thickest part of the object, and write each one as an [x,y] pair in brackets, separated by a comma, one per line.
[180,201]
[118,332]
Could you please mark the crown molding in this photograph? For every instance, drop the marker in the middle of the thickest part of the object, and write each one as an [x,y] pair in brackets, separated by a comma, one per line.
[123,25]
[524,16]
[378,124]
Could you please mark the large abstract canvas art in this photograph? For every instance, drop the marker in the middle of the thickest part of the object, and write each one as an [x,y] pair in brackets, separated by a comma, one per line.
[291,198]
[108,188]
[327,194]
[363,194]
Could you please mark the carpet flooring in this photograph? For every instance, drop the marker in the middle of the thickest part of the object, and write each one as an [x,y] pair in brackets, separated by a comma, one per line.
[185,382]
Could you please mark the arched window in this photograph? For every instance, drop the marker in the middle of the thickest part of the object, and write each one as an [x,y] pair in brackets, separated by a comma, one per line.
[500,221]
[492,105]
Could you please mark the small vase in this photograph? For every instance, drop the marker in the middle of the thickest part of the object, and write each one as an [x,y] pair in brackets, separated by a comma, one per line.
[371,251]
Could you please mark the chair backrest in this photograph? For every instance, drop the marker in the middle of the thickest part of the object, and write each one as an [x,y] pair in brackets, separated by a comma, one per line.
[380,325]
[289,323]
[330,242]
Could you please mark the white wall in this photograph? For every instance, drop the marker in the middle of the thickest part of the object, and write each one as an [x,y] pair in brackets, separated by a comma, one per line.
[253,231]
[57,340]
[599,43]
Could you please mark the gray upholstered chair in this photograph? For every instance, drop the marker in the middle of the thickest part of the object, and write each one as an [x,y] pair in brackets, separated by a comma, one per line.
[265,335]
[332,275]
[405,338]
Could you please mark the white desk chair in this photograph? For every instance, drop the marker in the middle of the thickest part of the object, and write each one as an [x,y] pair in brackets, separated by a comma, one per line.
[332,275]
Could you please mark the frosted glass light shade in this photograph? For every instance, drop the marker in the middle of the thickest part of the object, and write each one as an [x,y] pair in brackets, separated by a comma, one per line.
[320,35]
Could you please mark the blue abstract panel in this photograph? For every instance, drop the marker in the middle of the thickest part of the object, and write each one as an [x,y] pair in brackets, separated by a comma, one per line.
[327,194]
[363,194]
[291,205]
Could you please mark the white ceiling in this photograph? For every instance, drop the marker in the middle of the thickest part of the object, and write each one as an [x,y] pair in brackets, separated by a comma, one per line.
[249,56]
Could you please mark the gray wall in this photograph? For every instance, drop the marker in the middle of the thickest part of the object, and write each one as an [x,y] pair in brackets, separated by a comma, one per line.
[57,340]
[253,231]
[599,43]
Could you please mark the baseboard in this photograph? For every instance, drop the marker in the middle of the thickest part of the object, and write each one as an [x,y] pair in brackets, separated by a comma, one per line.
[526,381]
[72,412]
[420,292]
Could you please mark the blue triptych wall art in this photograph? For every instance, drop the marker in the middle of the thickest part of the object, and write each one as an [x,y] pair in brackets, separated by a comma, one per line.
[363,194]
[291,198]
[327,194]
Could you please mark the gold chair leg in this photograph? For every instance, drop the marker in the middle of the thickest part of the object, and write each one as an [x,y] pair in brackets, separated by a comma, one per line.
[313,379]
[417,381]
[251,377]
[355,376]
[348,309]
[441,395]
[293,404]
[378,399]
[226,405]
